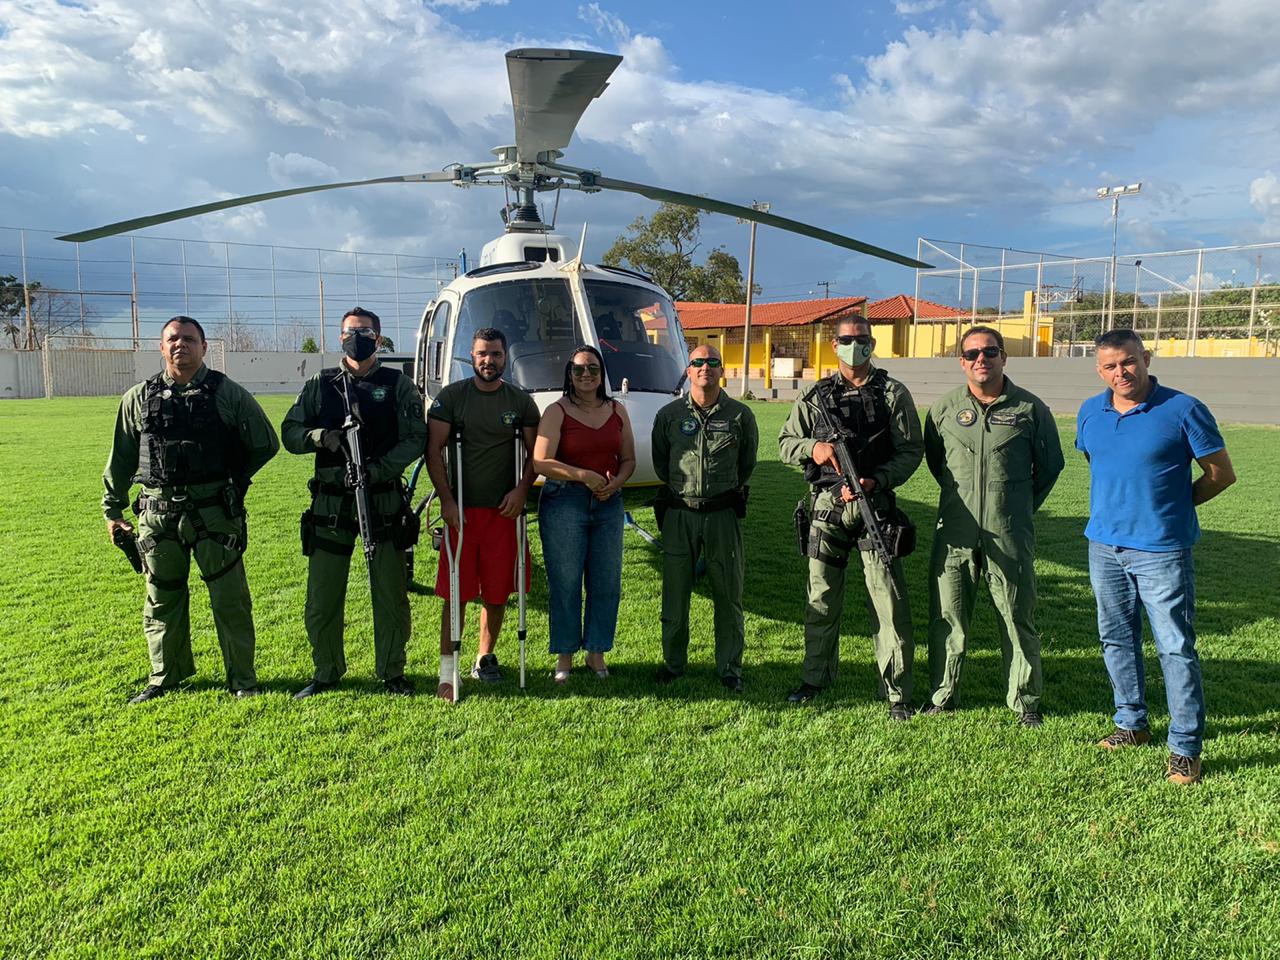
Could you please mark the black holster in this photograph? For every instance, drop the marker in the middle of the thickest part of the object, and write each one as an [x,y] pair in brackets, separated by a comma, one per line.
[802,521]
[308,529]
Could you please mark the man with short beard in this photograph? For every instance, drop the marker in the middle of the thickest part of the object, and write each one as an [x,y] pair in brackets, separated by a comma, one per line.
[993,448]
[391,437]
[488,411]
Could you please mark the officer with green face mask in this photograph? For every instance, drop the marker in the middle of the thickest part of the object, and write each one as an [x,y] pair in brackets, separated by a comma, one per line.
[392,436]
[882,418]
[704,451]
[192,438]
[993,448]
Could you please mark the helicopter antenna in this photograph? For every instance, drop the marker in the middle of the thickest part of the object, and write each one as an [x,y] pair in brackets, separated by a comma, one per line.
[555,211]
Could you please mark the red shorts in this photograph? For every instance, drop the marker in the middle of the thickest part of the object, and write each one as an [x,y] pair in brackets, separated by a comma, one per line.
[487,568]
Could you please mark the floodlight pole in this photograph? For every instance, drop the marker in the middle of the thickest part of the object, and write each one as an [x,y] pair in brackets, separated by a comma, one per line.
[1114,194]
[751,283]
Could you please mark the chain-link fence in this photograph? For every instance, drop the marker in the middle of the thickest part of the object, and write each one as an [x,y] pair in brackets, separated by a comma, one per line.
[1221,301]
[251,296]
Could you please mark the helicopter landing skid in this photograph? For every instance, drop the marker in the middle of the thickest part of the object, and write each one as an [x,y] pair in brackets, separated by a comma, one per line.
[629,521]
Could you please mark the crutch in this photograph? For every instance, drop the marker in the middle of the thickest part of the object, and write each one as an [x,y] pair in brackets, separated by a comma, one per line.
[522,540]
[453,551]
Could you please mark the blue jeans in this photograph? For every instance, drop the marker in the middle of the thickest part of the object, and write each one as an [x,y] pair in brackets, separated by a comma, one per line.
[581,541]
[1125,583]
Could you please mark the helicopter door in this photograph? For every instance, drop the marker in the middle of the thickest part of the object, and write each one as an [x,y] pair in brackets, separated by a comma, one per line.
[436,341]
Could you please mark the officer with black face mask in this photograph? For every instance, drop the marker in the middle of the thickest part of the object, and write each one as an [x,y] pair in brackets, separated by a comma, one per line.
[393,435]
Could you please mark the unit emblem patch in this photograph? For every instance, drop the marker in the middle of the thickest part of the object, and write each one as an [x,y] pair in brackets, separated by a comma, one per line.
[966,417]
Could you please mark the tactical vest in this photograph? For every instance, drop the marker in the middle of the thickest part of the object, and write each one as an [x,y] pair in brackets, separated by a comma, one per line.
[183,440]
[376,397]
[864,411]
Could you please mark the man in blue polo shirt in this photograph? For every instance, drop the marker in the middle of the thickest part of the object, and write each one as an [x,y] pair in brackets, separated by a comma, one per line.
[1140,437]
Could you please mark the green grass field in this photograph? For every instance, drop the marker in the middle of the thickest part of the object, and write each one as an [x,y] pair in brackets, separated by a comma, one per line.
[611,819]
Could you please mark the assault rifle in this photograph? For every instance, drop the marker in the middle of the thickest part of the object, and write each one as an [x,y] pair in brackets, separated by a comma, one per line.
[841,438]
[357,478]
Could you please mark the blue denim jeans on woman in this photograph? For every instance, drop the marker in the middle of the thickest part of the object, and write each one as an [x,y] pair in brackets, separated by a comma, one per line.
[1126,582]
[581,542]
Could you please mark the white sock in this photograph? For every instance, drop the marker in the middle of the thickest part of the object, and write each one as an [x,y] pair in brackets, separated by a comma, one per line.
[446,667]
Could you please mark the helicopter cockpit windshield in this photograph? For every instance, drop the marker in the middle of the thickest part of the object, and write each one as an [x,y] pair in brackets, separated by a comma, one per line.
[539,321]
[640,338]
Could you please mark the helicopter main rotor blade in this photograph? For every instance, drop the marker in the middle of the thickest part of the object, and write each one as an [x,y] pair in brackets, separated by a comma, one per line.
[124,226]
[550,89]
[663,195]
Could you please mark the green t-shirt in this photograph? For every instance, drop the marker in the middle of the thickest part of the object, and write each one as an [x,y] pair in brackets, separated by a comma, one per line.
[488,436]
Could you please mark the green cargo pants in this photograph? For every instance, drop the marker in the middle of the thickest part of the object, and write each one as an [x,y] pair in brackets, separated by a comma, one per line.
[167,541]
[889,618]
[1010,576]
[327,572]
[717,537]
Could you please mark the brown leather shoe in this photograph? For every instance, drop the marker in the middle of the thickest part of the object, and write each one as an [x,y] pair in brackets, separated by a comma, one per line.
[1183,771]
[445,692]
[1121,738]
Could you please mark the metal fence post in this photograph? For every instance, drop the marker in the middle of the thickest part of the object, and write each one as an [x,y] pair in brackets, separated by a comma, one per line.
[1194,318]
[320,278]
[231,317]
[275,313]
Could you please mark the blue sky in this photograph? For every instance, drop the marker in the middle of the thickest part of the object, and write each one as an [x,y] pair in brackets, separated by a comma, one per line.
[988,122]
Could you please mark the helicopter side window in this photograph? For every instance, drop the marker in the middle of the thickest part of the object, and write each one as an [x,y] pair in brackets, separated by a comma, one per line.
[437,336]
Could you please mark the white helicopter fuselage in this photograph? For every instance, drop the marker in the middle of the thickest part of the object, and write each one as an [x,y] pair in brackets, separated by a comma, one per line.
[547,305]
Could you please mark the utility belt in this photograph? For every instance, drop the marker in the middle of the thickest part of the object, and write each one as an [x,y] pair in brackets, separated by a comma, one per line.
[400,528]
[173,507]
[832,547]
[735,500]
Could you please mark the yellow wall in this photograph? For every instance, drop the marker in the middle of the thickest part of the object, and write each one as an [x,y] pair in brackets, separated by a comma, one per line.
[1213,347]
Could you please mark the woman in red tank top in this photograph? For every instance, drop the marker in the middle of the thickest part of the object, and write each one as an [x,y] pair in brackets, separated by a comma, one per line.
[586,451]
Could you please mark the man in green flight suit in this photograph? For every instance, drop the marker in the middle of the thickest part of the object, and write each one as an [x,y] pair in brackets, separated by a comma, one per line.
[193,438]
[704,449]
[994,450]
[393,435]
[882,417]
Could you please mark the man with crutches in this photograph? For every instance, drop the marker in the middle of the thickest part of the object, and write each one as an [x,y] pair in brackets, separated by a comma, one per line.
[475,419]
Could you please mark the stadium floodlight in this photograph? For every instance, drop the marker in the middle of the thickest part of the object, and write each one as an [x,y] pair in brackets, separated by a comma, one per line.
[1114,194]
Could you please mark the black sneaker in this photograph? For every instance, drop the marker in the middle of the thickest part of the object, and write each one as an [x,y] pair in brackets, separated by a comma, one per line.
[937,709]
[150,692]
[1030,718]
[900,712]
[486,669]
[314,687]
[665,675]
[733,684]
[803,693]
[399,686]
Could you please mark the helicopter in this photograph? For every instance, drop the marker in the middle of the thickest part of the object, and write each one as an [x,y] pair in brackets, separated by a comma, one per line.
[527,283]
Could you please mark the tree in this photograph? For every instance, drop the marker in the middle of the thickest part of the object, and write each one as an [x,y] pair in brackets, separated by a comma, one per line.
[309,345]
[386,343]
[664,246]
[13,305]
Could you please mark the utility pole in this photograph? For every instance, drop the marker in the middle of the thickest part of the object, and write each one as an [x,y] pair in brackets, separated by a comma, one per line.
[751,283]
[826,288]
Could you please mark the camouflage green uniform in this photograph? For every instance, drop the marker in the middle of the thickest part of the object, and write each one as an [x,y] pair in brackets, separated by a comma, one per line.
[704,457]
[836,527]
[995,464]
[394,436]
[179,519]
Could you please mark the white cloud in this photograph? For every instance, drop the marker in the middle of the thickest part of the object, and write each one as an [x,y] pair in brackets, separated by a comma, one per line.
[604,23]
[295,169]
[1264,196]
[912,8]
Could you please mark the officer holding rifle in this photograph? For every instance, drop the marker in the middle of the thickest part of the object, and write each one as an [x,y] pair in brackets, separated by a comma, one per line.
[858,428]
[193,439]
[364,424]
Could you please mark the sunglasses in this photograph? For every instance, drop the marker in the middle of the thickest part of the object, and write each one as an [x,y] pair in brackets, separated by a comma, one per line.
[586,369]
[989,352]
[862,339]
[711,362]
[359,332]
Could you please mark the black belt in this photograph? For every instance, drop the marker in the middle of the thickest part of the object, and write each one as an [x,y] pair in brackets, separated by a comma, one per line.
[721,501]
[318,486]
[179,503]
